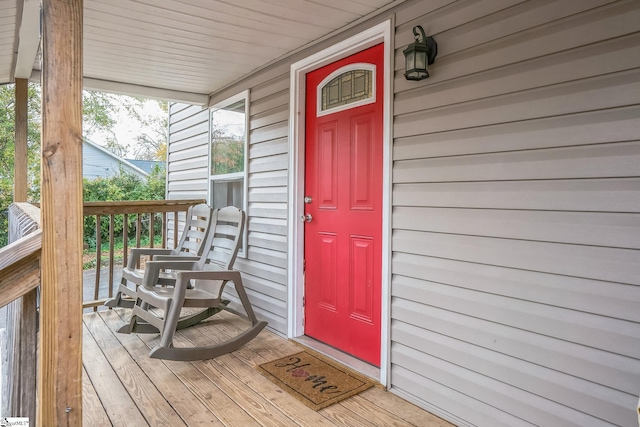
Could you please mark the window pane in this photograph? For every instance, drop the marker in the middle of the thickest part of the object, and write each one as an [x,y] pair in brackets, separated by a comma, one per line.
[228,135]
[228,193]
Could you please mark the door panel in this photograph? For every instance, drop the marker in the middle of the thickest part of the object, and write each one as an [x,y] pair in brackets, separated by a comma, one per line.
[328,164]
[362,276]
[343,178]
[328,269]
[362,162]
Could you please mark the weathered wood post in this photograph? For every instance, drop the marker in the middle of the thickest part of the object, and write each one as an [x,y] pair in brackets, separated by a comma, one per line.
[60,364]
[21,313]
[20,161]
[19,396]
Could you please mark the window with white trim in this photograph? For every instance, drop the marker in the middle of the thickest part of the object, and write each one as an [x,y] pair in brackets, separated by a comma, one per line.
[228,154]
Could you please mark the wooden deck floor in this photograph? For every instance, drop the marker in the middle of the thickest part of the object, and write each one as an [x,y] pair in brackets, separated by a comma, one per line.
[122,386]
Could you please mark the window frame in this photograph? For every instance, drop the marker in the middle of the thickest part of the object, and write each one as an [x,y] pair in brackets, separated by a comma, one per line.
[235,176]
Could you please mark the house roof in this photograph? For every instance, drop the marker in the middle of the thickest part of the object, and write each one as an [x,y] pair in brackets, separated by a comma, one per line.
[124,162]
[146,165]
[180,51]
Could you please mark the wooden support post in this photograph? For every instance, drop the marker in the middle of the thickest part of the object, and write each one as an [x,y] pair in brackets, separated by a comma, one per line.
[20,163]
[60,363]
[24,312]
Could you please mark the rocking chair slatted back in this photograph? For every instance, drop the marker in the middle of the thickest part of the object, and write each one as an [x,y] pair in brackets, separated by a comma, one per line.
[197,222]
[225,239]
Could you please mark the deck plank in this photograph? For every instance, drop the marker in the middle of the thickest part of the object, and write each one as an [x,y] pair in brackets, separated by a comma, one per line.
[270,347]
[403,409]
[191,409]
[93,413]
[228,411]
[113,395]
[253,403]
[144,393]
[382,418]
[251,378]
[226,391]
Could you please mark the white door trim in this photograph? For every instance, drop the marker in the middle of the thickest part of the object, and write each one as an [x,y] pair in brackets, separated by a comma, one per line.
[380,33]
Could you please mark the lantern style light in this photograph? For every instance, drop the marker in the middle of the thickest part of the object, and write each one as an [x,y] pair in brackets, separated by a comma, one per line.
[419,55]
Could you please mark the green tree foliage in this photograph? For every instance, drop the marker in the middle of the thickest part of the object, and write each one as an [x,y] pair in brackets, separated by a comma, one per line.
[121,187]
[152,144]
[7,151]
[99,115]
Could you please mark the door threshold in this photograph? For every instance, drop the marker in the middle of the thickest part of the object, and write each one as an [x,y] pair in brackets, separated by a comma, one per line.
[339,356]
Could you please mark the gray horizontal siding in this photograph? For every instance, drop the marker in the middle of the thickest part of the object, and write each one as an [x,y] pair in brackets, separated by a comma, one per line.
[592,195]
[187,167]
[593,127]
[265,265]
[516,200]
[516,272]
[264,268]
[187,156]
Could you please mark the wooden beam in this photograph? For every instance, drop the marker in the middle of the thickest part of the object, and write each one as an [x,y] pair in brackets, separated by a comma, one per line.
[19,268]
[20,163]
[29,39]
[60,363]
[129,89]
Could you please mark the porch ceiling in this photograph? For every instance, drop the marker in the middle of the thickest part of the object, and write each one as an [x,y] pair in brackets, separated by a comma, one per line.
[181,50]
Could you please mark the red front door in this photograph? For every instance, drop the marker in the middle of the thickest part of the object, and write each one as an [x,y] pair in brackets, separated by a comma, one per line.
[343,189]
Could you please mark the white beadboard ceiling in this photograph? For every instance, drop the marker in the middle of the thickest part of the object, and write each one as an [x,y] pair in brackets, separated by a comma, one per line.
[182,50]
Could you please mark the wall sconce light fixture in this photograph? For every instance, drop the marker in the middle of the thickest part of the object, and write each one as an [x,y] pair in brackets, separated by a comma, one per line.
[419,55]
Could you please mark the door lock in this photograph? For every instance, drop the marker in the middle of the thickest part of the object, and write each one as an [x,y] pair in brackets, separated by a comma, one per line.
[308,200]
[307,218]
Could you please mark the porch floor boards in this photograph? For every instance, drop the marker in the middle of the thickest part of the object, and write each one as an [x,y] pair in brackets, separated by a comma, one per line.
[122,386]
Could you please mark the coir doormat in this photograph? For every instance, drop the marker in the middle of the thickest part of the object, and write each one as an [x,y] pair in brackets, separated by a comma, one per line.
[315,381]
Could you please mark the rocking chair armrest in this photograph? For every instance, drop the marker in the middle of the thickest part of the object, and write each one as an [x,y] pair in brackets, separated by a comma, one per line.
[231,275]
[175,258]
[173,264]
[153,268]
[136,253]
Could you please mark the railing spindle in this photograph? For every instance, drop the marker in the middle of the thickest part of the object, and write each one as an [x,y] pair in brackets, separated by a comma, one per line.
[138,233]
[164,229]
[96,289]
[152,229]
[125,239]
[111,251]
[175,230]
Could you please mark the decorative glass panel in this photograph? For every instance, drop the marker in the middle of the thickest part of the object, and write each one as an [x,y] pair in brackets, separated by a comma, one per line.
[349,87]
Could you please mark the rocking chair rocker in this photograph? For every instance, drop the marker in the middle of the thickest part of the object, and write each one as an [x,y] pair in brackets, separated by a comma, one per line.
[201,286]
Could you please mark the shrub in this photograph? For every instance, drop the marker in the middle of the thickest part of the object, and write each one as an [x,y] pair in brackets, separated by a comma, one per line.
[121,187]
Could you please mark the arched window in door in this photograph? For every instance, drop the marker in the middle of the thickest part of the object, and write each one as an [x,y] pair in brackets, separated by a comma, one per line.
[347,87]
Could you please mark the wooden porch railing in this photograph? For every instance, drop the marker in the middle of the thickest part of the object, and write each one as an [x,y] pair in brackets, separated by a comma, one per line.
[20,277]
[19,280]
[140,215]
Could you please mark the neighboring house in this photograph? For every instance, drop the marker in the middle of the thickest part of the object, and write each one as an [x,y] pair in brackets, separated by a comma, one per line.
[98,162]
[488,257]
[147,165]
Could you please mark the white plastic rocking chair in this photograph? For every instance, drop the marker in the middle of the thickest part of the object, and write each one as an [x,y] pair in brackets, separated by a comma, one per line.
[197,284]
[190,246]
